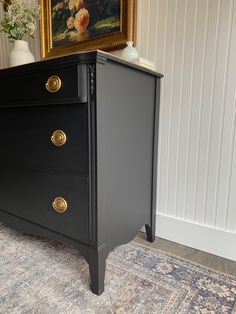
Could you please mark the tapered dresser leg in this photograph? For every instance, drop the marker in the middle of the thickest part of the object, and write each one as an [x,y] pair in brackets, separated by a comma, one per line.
[150,231]
[97,267]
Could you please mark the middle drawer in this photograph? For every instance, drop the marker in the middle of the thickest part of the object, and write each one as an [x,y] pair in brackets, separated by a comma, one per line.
[28,137]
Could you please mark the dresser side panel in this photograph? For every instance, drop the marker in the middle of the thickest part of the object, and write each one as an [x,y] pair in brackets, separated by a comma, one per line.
[125,132]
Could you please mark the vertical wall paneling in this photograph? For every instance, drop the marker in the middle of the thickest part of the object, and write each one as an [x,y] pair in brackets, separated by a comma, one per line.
[188,188]
[152,34]
[170,168]
[201,170]
[197,112]
[161,20]
[179,79]
[210,171]
[199,109]
[231,212]
[226,146]
[227,171]
[195,48]
[168,91]
[185,107]
[230,217]
[139,24]
[143,29]
[193,43]
[222,70]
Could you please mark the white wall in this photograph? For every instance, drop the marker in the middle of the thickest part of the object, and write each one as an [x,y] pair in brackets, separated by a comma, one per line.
[193,43]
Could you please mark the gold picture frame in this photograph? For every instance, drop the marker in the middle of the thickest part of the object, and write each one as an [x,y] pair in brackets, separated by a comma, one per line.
[124,30]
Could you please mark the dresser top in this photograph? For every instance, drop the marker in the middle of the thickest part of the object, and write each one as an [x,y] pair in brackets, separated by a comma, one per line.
[78,58]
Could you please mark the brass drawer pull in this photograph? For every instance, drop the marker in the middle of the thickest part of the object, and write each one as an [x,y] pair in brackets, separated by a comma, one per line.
[60,205]
[53,84]
[58,138]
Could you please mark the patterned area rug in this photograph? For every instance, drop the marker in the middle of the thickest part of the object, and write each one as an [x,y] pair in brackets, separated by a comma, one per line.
[46,277]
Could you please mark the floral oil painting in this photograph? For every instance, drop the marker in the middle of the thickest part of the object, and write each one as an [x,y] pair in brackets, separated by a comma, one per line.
[73,26]
[79,20]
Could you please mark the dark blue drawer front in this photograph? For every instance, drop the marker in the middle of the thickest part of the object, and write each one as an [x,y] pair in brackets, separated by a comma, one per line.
[29,194]
[26,137]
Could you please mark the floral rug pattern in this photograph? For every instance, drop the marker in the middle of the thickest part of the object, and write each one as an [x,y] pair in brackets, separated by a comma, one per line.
[45,277]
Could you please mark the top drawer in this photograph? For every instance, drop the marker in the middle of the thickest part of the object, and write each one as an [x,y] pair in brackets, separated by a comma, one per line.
[66,84]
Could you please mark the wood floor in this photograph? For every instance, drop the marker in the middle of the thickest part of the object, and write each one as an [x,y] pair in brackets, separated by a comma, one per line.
[190,254]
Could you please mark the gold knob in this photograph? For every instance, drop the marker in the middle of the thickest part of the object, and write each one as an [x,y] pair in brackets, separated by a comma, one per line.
[58,138]
[53,84]
[60,205]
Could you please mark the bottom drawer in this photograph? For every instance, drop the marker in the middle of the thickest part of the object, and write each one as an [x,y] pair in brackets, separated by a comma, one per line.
[30,194]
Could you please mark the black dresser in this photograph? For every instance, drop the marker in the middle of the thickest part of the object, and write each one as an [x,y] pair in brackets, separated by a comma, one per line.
[78,154]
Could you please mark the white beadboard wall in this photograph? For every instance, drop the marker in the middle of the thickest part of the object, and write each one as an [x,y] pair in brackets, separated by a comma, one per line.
[193,43]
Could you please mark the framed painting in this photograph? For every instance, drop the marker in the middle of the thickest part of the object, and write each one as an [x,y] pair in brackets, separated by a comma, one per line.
[70,26]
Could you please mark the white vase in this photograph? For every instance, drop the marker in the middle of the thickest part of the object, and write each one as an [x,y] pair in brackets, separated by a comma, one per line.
[20,54]
[130,53]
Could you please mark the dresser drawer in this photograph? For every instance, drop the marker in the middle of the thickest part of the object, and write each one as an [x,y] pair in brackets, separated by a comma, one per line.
[66,84]
[26,137]
[31,195]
